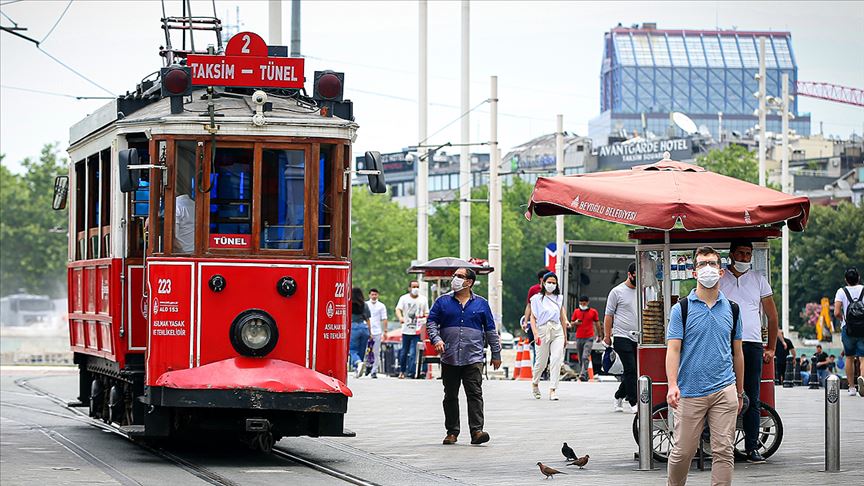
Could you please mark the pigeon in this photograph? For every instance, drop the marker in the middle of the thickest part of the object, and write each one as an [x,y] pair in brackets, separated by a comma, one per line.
[569,454]
[548,471]
[580,462]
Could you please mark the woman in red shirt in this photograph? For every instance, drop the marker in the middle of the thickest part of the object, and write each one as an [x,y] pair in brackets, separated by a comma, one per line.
[587,320]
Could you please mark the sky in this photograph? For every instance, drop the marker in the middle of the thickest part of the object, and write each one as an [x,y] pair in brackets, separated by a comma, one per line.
[547,56]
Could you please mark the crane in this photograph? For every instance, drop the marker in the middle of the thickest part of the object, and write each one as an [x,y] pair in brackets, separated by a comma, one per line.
[831,92]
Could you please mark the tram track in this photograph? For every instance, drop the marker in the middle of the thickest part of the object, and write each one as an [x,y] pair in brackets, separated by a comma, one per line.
[198,471]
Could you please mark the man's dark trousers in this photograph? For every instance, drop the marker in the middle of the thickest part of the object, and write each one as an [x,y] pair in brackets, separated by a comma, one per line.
[752,381]
[626,350]
[472,377]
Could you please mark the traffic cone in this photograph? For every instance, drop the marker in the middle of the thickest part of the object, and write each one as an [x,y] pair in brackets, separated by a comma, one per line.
[527,373]
[590,365]
[429,371]
[517,365]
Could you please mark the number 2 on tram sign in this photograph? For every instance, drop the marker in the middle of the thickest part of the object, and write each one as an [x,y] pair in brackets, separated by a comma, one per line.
[246,64]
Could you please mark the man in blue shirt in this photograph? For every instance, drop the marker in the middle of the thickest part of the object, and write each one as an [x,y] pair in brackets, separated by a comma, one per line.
[460,325]
[705,372]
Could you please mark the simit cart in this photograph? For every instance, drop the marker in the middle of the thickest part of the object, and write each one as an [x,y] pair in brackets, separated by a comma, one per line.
[676,208]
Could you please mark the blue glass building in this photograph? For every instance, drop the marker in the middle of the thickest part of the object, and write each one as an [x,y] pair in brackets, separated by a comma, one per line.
[648,73]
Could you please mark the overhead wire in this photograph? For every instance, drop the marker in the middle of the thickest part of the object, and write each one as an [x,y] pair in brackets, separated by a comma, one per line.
[52,93]
[57,22]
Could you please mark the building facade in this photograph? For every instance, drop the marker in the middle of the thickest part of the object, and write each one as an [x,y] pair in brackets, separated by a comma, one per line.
[647,73]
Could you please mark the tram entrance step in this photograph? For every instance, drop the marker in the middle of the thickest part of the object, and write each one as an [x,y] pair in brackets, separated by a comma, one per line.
[133,430]
[348,433]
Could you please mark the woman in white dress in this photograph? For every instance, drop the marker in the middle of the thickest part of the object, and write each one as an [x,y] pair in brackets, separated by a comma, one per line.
[549,324]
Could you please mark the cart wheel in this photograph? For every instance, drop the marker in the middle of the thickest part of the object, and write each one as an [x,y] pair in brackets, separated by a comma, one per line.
[770,434]
[661,436]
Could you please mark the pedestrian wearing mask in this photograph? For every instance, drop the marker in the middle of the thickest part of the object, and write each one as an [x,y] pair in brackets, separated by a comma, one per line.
[460,326]
[549,325]
[704,372]
[588,323]
[620,323]
[410,310]
[359,330]
[752,292]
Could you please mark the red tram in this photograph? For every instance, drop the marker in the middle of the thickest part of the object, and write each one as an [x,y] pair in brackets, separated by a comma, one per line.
[209,252]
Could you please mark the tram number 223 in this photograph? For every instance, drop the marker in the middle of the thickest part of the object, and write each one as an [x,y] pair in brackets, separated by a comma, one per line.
[340,290]
[163,286]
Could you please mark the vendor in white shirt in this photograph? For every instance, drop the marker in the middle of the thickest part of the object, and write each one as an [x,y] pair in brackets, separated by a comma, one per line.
[377,328]
[549,325]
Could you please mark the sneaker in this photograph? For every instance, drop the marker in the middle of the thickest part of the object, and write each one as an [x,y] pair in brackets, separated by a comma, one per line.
[535,392]
[861,385]
[619,405]
[479,437]
[552,395]
[358,369]
[401,376]
[852,391]
[374,376]
[634,409]
[449,440]
[753,457]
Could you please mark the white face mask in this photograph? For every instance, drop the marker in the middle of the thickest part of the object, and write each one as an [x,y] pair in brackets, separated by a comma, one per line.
[415,291]
[583,307]
[742,266]
[373,299]
[550,287]
[457,284]
[708,276]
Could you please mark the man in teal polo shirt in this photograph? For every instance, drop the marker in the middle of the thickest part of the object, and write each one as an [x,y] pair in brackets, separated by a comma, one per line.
[705,372]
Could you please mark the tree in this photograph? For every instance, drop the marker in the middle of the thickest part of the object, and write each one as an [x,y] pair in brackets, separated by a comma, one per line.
[383,244]
[33,237]
[733,161]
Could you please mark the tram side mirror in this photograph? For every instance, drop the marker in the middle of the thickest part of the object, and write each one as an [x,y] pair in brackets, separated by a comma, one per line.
[129,178]
[375,171]
[61,190]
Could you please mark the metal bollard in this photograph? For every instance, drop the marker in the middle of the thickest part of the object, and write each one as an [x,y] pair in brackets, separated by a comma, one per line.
[832,424]
[797,373]
[814,375]
[789,375]
[646,425]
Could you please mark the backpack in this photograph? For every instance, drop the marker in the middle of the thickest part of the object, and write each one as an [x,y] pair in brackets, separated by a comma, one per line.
[854,315]
[735,311]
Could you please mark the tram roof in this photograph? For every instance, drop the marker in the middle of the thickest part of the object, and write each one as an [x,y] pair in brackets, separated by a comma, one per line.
[234,111]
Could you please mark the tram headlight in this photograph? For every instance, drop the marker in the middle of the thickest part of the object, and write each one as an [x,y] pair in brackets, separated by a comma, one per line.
[254,333]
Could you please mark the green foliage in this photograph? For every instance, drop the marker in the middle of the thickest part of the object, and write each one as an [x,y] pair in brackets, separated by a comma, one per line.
[383,244]
[733,161]
[831,243]
[32,236]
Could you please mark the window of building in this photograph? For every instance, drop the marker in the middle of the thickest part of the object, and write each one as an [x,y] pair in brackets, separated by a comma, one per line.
[712,51]
[283,175]
[661,52]
[781,49]
[642,50]
[730,51]
[677,51]
[624,50]
[749,56]
[454,181]
[409,188]
[695,52]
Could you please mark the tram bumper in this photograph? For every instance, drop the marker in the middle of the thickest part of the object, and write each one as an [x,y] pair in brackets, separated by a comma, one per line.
[251,383]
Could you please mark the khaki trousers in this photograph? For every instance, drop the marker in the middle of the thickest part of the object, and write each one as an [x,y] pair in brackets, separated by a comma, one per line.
[721,410]
[551,348]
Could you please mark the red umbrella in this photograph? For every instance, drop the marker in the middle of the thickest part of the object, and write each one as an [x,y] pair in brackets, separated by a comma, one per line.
[660,194]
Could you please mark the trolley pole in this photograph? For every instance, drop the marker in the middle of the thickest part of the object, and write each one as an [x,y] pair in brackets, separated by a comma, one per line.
[832,424]
[646,423]
[422,193]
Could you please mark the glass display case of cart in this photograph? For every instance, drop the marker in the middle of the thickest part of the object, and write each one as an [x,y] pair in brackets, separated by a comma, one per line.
[653,316]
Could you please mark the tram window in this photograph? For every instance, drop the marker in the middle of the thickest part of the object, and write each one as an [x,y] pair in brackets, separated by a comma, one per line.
[93,206]
[282,199]
[80,208]
[231,193]
[325,199]
[184,198]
